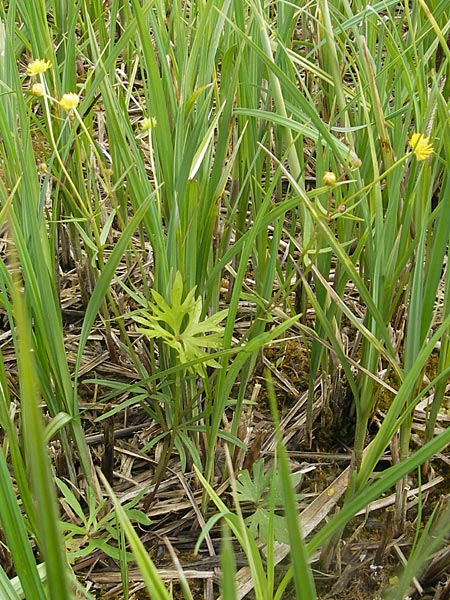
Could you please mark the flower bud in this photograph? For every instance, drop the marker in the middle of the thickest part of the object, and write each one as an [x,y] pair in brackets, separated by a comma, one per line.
[37,89]
[329,178]
[148,123]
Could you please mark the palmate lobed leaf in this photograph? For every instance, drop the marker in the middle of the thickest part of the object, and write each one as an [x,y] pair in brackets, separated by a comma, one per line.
[253,490]
[265,491]
[257,489]
[173,314]
[178,324]
[278,495]
[258,526]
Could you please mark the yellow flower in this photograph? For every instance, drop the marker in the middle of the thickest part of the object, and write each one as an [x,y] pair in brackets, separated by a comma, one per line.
[38,66]
[69,101]
[420,146]
[148,123]
[329,178]
[37,89]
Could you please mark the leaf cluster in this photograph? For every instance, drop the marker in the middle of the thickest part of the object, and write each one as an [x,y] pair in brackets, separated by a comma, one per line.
[264,492]
[179,324]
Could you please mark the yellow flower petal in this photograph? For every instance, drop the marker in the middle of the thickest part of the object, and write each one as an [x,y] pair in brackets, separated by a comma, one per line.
[420,146]
[69,101]
[38,66]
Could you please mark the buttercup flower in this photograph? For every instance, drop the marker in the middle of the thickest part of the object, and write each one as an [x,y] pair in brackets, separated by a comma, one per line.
[329,178]
[69,101]
[37,89]
[420,146]
[148,123]
[38,66]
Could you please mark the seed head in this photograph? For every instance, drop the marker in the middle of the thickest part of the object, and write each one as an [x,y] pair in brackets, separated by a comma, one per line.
[69,101]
